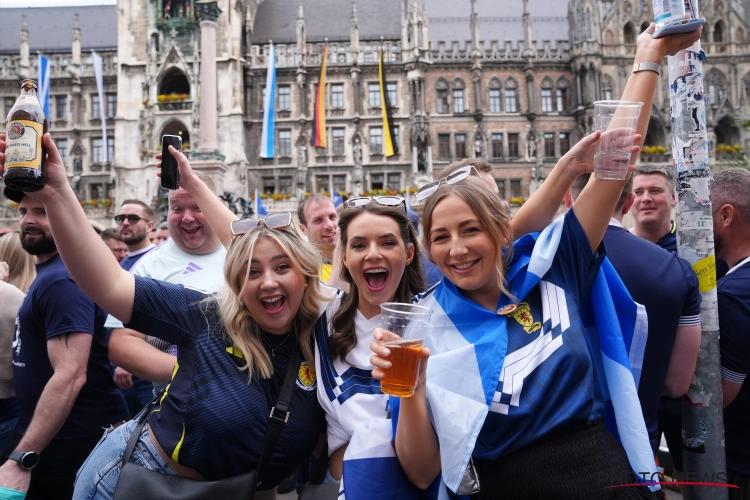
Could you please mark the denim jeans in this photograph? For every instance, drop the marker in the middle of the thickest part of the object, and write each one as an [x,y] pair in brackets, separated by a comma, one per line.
[97,478]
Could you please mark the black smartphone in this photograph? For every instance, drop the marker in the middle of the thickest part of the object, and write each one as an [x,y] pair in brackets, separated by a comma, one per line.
[170,174]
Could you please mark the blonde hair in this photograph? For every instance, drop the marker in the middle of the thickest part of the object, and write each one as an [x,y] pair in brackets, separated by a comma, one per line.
[488,208]
[239,325]
[21,268]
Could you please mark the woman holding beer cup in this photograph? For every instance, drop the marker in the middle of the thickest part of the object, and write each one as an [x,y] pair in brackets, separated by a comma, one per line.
[517,380]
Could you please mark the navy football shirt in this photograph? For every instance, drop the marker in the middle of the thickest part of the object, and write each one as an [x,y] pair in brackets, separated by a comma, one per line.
[734,320]
[213,419]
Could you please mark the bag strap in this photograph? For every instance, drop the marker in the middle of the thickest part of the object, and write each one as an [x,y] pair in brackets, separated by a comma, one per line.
[276,420]
[279,413]
[321,464]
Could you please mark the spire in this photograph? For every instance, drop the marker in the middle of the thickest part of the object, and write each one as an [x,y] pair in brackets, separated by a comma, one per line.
[301,35]
[76,47]
[24,63]
[354,30]
[527,52]
[475,29]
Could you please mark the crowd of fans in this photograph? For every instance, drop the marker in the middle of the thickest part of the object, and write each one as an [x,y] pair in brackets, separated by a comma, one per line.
[181,344]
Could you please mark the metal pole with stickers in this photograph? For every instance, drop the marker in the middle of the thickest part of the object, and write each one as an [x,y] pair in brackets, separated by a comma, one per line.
[704,458]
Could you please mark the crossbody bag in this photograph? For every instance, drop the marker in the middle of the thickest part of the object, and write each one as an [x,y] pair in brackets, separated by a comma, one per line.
[137,482]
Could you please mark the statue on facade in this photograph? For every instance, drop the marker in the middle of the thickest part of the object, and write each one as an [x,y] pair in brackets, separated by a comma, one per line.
[357,148]
[478,147]
[531,146]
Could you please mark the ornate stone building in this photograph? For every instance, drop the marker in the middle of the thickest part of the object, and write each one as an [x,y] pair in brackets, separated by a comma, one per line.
[506,80]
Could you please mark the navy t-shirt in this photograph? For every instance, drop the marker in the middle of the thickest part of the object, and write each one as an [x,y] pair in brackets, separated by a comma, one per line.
[668,288]
[734,320]
[54,306]
[213,419]
[669,241]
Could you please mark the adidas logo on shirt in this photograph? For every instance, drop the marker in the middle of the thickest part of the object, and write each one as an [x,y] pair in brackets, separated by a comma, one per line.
[191,268]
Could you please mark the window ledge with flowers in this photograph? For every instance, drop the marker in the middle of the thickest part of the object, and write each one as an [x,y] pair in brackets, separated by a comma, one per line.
[728,151]
[655,154]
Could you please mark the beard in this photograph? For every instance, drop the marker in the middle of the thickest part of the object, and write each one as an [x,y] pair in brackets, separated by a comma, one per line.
[135,238]
[37,246]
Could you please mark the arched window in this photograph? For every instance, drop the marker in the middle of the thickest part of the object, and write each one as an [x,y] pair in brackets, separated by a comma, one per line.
[609,37]
[459,91]
[174,82]
[579,25]
[606,88]
[719,32]
[494,95]
[716,86]
[561,96]
[511,96]
[176,127]
[547,89]
[746,88]
[628,33]
[644,26]
[587,24]
[441,101]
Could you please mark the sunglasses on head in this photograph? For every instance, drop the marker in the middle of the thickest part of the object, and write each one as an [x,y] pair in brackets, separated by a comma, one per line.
[273,221]
[132,218]
[386,201]
[462,173]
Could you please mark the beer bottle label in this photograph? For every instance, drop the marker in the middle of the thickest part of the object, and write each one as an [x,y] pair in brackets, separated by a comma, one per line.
[23,147]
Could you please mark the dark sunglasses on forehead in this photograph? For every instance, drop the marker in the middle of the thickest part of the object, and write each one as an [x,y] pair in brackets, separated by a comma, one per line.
[132,218]
[273,221]
[462,173]
[386,201]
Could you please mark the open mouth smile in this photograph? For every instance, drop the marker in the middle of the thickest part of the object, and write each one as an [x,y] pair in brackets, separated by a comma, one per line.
[273,305]
[376,279]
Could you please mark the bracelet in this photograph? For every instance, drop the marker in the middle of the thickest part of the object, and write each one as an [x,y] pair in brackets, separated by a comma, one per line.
[647,66]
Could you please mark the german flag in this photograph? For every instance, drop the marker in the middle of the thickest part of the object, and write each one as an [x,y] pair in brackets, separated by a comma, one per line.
[318,138]
[389,133]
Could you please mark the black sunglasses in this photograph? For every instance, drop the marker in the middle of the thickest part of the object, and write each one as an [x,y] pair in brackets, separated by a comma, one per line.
[386,201]
[132,218]
[273,221]
[462,173]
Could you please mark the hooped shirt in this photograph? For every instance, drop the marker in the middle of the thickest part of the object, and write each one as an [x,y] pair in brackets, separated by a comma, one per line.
[347,390]
[212,418]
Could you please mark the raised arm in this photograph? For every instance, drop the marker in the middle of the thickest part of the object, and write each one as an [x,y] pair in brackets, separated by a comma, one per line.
[217,214]
[86,256]
[542,206]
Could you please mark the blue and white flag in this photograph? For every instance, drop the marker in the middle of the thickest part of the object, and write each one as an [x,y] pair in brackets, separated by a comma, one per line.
[269,112]
[98,75]
[336,199]
[260,208]
[43,87]
[465,366]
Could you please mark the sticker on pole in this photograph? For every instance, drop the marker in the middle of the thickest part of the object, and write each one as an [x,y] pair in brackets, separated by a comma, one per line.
[705,269]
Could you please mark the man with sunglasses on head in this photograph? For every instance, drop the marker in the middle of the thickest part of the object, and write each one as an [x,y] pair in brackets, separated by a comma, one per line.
[134,223]
[192,256]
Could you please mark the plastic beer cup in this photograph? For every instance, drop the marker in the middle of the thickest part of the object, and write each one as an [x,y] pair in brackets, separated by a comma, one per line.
[409,322]
[617,120]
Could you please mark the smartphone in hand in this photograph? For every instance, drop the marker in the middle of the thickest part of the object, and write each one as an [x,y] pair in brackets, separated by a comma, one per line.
[170,174]
[677,27]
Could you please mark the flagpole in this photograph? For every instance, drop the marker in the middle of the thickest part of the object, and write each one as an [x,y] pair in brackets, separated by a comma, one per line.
[702,410]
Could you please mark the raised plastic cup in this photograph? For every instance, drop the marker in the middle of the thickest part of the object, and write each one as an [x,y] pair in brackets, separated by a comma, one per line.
[617,120]
[409,322]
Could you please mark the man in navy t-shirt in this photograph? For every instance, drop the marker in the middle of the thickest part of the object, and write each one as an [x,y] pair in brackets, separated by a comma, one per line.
[62,378]
[730,193]
[668,288]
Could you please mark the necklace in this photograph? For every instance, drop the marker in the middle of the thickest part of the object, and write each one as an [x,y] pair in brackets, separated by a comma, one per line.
[273,349]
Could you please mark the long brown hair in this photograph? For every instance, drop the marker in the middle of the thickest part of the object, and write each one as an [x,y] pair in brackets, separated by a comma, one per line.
[21,268]
[488,208]
[240,326]
[344,337]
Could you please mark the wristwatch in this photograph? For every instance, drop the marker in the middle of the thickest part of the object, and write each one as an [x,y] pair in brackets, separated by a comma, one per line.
[647,66]
[26,459]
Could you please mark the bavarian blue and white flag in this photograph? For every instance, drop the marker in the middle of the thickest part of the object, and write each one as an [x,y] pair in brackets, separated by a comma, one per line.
[465,366]
[269,111]
[336,199]
[260,208]
[43,88]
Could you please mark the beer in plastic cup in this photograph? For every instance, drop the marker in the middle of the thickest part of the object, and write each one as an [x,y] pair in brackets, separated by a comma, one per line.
[617,120]
[409,322]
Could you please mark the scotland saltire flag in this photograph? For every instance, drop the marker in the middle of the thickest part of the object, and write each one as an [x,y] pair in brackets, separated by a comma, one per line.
[269,111]
[260,208]
[43,88]
[465,366]
[336,199]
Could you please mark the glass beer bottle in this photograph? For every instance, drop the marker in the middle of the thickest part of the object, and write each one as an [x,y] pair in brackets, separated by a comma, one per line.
[25,154]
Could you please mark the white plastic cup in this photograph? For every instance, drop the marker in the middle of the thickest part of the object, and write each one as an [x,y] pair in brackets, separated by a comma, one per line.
[617,120]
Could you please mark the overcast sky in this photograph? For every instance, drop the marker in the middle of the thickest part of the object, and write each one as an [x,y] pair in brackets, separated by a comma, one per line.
[55,3]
